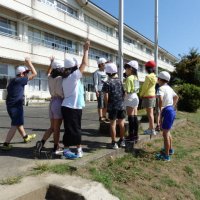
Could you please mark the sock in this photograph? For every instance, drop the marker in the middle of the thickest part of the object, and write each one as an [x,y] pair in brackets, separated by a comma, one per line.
[55,147]
[5,144]
[135,120]
[131,124]
[25,136]
[43,142]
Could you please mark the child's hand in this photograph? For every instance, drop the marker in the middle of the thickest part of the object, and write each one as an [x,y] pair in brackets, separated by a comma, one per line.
[86,45]
[27,60]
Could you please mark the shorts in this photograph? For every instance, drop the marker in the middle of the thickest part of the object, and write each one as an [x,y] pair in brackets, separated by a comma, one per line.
[116,114]
[148,102]
[16,115]
[131,100]
[168,116]
[55,108]
[100,100]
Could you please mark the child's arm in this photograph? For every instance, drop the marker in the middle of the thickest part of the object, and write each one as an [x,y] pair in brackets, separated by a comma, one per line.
[175,100]
[50,68]
[85,56]
[32,68]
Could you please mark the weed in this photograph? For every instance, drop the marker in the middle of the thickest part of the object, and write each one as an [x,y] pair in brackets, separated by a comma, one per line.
[189,170]
[11,180]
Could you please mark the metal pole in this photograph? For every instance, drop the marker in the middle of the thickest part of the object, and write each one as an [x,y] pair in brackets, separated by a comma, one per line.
[156,36]
[121,38]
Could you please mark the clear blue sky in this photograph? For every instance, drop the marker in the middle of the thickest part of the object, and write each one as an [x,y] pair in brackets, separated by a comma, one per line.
[179,21]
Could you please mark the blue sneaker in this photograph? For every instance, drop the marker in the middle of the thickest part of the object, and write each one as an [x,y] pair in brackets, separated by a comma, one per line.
[69,155]
[163,157]
[171,151]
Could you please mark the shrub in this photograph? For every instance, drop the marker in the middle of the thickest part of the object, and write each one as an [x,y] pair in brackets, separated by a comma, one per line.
[189,97]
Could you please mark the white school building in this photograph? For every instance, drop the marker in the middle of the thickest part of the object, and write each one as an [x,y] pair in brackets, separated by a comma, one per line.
[42,28]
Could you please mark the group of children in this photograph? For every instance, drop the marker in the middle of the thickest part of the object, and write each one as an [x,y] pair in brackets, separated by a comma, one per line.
[67,101]
[122,99]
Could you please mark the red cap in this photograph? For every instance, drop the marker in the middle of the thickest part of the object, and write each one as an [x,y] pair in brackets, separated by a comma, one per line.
[150,64]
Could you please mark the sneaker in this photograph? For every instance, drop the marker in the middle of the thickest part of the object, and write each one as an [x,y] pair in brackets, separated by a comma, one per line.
[163,157]
[171,151]
[58,151]
[150,132]
[6,147]
[38,146]
[80,154]
[114,145]
[29,138]
[121,143]
[69,155]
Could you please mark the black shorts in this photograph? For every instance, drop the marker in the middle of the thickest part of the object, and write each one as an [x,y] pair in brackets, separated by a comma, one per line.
[100,100]
[116,114]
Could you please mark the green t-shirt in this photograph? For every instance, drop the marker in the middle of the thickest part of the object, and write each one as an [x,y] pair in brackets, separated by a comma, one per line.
[132,84]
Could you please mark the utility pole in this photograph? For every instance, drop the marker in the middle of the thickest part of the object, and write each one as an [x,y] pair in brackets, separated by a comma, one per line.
[121,38]
[156,36]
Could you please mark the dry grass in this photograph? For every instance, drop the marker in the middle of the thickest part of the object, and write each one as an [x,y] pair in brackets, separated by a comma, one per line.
[141,176]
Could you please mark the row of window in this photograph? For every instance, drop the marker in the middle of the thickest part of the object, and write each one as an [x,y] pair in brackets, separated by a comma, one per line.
[61,7]
[36,36]
[7,72]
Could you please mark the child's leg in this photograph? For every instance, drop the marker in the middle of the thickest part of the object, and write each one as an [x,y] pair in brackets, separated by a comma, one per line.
[57,123]
[166,136]
[150,117]
[170,139]
[21,130]
[121,128]
[113,129]
[10,134]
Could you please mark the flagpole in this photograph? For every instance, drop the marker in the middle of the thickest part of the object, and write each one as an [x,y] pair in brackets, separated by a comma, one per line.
[121,38]
[156,36]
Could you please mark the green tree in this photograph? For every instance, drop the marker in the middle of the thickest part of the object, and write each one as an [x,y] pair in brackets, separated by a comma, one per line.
[187,70]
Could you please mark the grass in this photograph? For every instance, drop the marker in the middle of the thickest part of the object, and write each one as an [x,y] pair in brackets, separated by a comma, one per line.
[11,180]
[141,176]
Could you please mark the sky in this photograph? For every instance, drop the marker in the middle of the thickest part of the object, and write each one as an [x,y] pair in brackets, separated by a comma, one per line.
[178,21]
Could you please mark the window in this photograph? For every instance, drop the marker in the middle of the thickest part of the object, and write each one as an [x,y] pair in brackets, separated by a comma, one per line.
[140,46]
[98,25]
[36,36]
[5,75]
[149,51]
[8,27]
[96,54]
[40,83]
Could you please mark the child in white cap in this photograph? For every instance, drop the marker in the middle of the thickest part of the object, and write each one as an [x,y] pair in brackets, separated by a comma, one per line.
[54,73]
[167,103]
[73,103]
[99,78]
[114,94]
[131,99]
[14,103]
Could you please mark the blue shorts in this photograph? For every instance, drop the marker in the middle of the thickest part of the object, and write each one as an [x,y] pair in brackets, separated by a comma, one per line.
[168,116]
[16,115]
[100,100]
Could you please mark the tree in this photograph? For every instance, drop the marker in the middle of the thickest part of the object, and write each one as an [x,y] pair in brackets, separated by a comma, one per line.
[187,70]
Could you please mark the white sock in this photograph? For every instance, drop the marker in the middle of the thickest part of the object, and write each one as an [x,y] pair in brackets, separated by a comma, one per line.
[79,149]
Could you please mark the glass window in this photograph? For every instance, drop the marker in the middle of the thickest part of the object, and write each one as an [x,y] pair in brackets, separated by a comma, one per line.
[8,27]
[149,51]
[96,54]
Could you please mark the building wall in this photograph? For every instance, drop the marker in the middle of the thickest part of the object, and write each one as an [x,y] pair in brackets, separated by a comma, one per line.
[41,28]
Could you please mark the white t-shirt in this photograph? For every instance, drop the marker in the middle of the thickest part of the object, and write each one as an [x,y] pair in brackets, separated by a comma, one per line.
[167,93]
[71,90]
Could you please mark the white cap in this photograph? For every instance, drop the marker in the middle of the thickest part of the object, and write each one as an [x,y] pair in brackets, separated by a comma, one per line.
[57,64]
[101,61]
[70,62]
[21,69]
[164,75]
[110,68]
[133,64]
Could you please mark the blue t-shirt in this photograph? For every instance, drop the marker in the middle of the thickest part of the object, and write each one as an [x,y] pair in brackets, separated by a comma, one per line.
[15,91]
[115,91]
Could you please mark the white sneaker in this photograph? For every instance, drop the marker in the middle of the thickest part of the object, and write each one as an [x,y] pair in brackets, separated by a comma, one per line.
[80,154]
[114,145]
[150,132]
